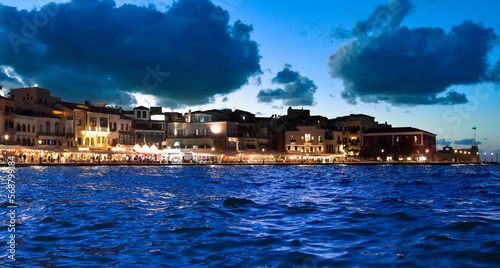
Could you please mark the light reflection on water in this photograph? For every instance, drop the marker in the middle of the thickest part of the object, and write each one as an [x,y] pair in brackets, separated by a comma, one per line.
[257,216]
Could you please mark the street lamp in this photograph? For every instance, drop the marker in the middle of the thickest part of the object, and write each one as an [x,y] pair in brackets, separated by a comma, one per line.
[6,138]
[40,153]
[492,157]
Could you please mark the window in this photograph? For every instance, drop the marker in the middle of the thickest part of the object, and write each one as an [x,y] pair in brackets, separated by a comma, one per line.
[289,148]
[144,114]
[47,127]
[126,127]
[319,140]
[121,126]
[79,122]
[138,114]
[292,138]
[320,149]
[415,139]
[103,122]
[397,139]
[308,137]
[197,132]
[93,122]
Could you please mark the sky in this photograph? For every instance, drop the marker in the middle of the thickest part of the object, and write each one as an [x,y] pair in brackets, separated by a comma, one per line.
[433,65]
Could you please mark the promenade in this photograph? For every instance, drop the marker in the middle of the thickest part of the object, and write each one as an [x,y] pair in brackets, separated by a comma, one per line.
[359,163]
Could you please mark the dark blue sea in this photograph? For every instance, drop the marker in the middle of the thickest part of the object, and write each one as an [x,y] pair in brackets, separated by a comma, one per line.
[255,216]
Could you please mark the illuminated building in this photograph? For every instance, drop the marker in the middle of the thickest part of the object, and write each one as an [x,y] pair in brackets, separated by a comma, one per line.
[305,139]
[208,134]
[352,127]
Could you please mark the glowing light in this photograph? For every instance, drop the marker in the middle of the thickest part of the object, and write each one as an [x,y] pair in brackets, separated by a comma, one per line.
[137,147]
[216,129]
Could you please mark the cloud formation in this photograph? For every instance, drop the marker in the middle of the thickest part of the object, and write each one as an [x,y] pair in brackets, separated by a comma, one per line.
[466,142]
[384,17]
[402,66]
[95,50]
[297,90]
[443,142]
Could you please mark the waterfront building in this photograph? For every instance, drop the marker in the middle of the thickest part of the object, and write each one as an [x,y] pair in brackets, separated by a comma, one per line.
[399,143]
[334,142]
[305,139]
[91,124]
[7,117]
[352,127]
[207,134]
[126,134]
[33,99]
[148,125]
[449,154]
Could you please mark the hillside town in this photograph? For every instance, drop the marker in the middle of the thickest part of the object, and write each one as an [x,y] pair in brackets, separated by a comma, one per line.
[40,128]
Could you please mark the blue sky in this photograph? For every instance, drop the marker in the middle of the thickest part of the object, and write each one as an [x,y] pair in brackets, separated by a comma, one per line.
[302,36]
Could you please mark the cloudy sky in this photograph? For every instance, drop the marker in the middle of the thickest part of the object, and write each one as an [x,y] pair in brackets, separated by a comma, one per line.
[434,65]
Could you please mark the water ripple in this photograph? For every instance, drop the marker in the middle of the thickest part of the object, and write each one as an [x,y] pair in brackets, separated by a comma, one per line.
[256,216]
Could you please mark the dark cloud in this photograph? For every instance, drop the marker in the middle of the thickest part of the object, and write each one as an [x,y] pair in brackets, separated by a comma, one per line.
[384,17]
[297,90]
[443,142]
[466,142]
[94,50]
[405,66]
[286,76]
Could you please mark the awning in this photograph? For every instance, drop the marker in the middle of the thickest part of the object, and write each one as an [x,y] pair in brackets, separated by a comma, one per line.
[55,150]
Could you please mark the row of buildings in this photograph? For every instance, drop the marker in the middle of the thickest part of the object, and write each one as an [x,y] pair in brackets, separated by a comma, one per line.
[34,121]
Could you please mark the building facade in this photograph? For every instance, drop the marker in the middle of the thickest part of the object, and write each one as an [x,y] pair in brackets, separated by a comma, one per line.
[305,139]
[399,142]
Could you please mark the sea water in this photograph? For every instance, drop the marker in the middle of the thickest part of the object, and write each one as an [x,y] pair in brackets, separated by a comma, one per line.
[254,216]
